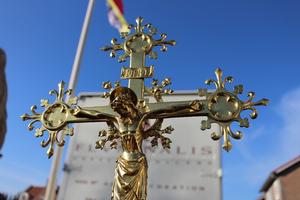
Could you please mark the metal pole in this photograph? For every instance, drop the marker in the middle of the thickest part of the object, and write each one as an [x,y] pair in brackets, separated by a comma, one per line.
[51,186]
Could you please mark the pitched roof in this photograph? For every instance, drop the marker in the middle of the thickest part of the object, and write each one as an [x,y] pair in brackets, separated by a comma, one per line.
[282,170]
[36,191]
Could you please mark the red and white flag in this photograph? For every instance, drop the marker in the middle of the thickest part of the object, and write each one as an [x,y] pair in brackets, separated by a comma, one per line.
[116,14]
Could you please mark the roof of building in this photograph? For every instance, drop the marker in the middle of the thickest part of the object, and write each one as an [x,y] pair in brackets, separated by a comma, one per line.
[35,191]
[282,170]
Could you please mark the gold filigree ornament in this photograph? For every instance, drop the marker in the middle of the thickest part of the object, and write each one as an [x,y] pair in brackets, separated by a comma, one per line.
[155,130]
[158,134]
[225,107]
[107,85]
[129,115]
[158,89]
[53,119]
[112,134]
[140,41]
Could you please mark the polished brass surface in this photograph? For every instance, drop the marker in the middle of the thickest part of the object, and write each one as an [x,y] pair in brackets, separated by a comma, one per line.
[137,46]
[128,113]
[54,119]
[141,72]
[225,107]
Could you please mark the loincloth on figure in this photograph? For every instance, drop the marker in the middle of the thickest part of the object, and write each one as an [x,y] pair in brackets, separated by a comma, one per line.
[130,177]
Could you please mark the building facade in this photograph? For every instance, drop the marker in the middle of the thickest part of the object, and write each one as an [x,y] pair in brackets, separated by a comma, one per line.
[283,183]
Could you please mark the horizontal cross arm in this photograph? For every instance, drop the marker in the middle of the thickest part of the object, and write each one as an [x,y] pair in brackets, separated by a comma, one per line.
[56,118]
[92,114]
[177,109]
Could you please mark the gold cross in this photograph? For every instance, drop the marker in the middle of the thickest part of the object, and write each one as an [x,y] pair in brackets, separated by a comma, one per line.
[220,106]
[128,112]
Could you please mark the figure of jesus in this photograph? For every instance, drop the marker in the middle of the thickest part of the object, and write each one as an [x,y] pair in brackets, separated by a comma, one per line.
[130,181]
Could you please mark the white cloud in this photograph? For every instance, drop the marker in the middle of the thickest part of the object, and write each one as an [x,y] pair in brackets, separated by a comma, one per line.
[290,132]
[281,139]
[285,141]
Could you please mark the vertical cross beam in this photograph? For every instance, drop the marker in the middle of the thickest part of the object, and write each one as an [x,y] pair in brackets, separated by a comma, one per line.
[136,46]
[125,117]
[137,60]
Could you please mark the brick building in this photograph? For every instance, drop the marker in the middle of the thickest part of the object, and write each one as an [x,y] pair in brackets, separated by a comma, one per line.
[34,193]
[283,183]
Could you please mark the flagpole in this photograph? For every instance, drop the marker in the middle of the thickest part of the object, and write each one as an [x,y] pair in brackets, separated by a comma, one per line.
[51,186]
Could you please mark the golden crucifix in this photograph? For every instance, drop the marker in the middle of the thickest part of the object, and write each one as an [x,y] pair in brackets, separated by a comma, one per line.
[128,111]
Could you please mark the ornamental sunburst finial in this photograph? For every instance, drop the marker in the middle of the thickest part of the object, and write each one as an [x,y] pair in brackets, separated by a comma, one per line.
[52,119]
[141,40]
[226,107]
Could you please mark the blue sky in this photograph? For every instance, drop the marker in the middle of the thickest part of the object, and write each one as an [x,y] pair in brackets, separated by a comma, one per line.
[255,41]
